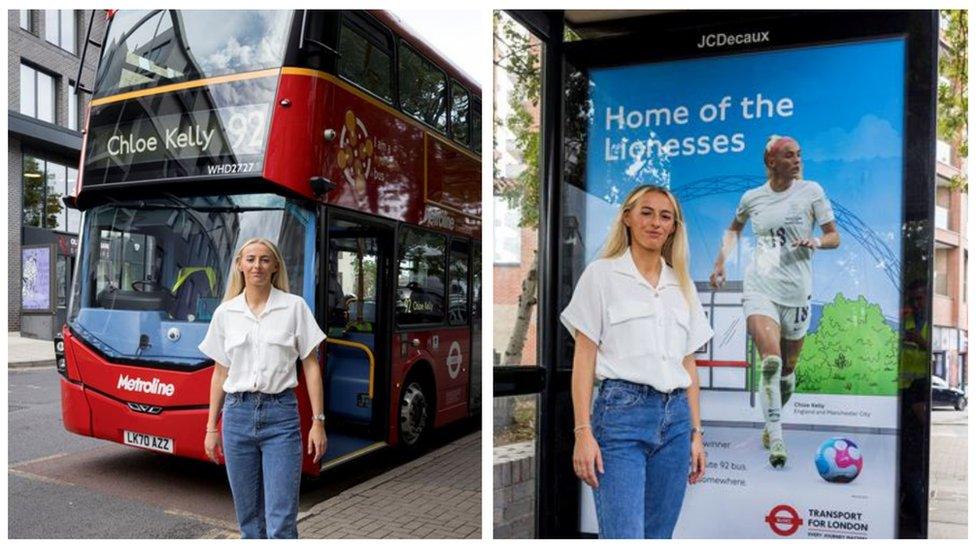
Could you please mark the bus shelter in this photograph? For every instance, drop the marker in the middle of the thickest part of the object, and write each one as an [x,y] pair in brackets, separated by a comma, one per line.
[688,100]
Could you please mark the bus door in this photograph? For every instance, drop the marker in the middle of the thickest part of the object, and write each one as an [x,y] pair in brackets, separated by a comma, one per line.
[356,370]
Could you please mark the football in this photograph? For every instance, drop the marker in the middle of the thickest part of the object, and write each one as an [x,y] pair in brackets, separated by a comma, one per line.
[839,460]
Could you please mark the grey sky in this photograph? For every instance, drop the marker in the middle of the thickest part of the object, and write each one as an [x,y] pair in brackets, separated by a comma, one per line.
[460,35]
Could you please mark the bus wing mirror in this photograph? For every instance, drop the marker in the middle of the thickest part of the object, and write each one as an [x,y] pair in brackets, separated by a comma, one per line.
[321,185]
[70,201]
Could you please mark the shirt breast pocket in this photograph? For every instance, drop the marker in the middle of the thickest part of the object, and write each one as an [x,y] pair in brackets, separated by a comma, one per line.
[234,347]
[634,328]
[281,349]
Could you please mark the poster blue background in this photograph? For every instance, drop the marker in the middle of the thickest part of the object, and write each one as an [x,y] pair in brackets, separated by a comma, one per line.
[848,107]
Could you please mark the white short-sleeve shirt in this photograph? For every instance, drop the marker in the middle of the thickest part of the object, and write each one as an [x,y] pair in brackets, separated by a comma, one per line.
[642,332]
[260,351]
[779,270]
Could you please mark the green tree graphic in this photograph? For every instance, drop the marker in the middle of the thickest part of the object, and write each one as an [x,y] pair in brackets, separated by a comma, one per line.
[853,352]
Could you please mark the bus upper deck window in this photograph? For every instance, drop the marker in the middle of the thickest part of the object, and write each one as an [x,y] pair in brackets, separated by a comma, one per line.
[364,58]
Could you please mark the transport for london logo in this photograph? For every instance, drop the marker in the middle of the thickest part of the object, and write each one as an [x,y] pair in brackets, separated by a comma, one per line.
[784,520]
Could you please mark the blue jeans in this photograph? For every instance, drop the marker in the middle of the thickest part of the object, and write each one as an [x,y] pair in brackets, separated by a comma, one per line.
[262,444]
[645,441]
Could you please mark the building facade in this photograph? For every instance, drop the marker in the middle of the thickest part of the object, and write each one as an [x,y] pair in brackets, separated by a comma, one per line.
[949,302]
[44,118]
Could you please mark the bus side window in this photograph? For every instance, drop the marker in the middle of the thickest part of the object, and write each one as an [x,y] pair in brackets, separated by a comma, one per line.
[475,282]
[457,310]
[459,113]
[423,89]
[420,278]
[365,54]
[476,125]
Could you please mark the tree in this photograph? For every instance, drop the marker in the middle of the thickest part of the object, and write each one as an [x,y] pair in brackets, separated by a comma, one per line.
[518,54]
[953,102]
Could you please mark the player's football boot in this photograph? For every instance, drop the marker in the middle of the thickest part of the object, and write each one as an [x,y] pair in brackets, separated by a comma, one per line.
[777,454]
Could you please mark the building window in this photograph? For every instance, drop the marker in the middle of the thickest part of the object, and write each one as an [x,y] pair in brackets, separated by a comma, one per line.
[460,106]
[72,107]
[508,234]
[420,278]
[27,20]
[365,58]
[36,93]
[423,89]
[76,107]
[943,152]
[942,272]
[45,183]
[942,206]
[59,29]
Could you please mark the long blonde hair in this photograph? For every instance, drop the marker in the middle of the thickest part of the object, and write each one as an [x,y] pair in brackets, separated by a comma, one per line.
[235,282]
[675,250]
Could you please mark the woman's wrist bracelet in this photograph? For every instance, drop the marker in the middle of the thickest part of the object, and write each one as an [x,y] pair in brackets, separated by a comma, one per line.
[580,428]
[213,430]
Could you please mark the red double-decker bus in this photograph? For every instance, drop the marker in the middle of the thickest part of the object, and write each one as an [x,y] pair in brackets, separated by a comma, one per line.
[339,135]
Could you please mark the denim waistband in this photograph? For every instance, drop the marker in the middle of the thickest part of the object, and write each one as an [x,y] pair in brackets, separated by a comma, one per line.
[259,396]
[644,389]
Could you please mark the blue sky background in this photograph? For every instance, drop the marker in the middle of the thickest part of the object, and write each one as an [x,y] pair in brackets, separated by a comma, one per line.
[847,116]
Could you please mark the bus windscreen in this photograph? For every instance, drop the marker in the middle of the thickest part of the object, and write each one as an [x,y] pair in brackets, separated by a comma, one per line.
[184,94]
[152,48]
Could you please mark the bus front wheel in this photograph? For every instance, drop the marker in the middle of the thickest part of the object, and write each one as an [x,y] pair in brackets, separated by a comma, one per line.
[414,415]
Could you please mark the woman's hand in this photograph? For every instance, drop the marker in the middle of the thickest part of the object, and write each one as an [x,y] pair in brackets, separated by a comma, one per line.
[587,459]
[697,459]
[718,276]
[317,442]
[213,447]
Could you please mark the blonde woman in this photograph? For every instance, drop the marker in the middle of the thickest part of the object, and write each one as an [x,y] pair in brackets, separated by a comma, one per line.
[637,322]
[779,281]
[254,338]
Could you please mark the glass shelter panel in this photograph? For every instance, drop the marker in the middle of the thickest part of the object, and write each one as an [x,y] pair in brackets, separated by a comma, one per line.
[516,193]
[710,130]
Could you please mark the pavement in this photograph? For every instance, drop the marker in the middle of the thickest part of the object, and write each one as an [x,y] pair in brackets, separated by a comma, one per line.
[437,495]
[433,497]
[24,352]
[948,475]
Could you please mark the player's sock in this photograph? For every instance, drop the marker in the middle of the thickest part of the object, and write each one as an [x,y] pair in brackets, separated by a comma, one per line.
[787,384]
[772,367]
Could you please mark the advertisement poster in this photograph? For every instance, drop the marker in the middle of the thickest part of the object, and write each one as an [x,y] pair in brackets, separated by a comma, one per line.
[700,127]
[36,279]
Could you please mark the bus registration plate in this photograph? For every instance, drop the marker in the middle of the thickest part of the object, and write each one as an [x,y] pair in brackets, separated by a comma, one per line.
[140,440]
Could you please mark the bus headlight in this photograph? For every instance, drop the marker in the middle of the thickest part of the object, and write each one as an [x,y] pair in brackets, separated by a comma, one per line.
[62,366]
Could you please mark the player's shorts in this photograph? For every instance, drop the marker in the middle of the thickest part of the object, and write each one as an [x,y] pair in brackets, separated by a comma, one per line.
[793,321]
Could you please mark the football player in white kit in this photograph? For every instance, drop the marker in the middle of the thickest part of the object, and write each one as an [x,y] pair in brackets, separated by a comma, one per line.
[778,281]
